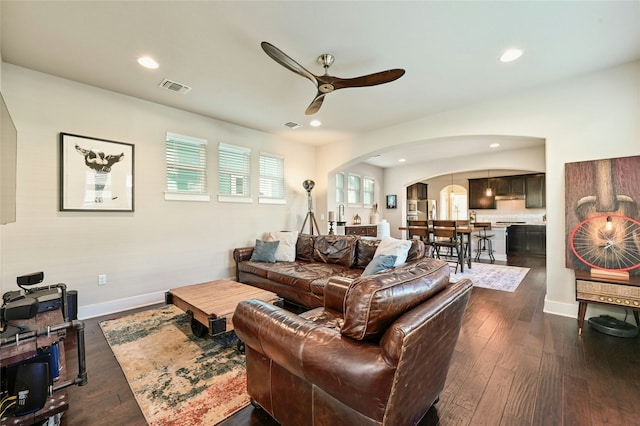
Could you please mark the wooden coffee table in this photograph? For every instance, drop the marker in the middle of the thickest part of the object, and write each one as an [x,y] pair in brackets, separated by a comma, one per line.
[211,305]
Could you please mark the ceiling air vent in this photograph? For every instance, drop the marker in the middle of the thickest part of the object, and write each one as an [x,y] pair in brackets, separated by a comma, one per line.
[291,125]
[174,86]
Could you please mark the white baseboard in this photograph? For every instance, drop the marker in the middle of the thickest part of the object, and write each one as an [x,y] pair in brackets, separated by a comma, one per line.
[119,305]
[560,308]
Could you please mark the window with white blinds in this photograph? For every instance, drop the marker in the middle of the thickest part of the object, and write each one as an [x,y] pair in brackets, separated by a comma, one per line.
[354,189]
[234,173]
[271,179]
[186,159]
[368,190]
[340,188]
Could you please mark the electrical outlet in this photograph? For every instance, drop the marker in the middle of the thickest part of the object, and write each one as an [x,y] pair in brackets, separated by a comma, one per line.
[102,279]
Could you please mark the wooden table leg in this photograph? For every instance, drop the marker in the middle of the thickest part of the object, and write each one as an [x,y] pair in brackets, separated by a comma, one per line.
[582,310]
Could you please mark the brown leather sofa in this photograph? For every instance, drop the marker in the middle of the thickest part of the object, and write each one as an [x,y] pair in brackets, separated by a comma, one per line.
[376,353]
[318,258]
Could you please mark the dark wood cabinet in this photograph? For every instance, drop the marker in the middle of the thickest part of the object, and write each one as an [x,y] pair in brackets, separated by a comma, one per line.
[362,230]
[535,195]
[527,239]
[508,186]
[417,191]
[478,198]
[531,187]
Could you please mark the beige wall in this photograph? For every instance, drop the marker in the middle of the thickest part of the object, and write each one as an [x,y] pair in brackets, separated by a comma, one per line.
[590,117]
[163,244]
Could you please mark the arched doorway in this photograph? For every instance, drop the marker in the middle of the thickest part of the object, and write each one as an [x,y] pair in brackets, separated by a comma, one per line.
[453,203]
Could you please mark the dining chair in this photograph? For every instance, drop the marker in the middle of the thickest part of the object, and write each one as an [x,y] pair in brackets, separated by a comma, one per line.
[445,235]
[422,234]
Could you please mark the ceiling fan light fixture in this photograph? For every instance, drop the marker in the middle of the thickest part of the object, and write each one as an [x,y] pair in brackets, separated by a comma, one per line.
[510,55]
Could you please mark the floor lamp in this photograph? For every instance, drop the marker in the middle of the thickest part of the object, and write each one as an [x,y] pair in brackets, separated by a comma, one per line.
[308,186]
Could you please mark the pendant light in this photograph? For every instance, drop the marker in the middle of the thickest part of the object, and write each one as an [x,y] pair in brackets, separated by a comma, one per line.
[488,192]
[451,194]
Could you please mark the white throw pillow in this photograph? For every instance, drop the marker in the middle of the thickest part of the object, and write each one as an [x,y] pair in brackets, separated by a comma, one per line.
[286,251]
[390,246]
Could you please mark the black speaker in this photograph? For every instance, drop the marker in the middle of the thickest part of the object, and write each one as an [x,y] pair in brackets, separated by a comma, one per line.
[24,308]
[72,304]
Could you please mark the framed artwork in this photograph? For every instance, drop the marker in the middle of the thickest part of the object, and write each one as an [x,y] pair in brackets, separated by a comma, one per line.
[391,202]
[602,220]
[95,174]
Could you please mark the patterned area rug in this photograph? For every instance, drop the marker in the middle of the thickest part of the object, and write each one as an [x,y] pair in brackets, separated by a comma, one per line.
[177,378]
[495,277]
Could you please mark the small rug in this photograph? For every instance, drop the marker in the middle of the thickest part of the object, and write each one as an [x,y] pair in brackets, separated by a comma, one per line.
[495,277]
[177,378]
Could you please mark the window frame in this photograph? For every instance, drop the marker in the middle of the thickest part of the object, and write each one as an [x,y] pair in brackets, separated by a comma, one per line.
[226,172]
[340,187]
[364,191]
[350,190]
[278,178]
[182,195]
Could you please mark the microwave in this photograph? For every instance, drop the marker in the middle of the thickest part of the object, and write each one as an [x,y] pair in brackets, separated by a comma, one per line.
[412,206]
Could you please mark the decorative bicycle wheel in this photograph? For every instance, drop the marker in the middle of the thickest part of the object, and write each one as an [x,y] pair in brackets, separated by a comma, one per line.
[607,241]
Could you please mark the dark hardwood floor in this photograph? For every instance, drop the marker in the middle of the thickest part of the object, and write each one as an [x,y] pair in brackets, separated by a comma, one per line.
[513,365]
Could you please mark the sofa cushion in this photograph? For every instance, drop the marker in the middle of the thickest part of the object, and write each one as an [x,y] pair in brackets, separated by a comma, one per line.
[265,251]
[304,247]
[373,303]
[286,251]
[417,251]
[379,264]
[393,247]
[338,249]
[365,250]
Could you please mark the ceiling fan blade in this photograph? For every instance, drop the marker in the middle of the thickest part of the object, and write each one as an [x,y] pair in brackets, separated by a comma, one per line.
[368,80]
[280,57]
[315,104]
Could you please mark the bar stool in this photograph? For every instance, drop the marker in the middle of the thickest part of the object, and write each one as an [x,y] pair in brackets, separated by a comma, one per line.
[484,244]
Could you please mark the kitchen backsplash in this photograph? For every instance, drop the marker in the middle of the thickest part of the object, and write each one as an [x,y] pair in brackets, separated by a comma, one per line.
[511,211]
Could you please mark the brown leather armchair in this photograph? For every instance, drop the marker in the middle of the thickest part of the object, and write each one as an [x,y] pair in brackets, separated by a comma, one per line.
[377,353]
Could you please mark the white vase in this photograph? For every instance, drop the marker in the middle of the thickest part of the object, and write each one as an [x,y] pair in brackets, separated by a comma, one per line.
[374,218]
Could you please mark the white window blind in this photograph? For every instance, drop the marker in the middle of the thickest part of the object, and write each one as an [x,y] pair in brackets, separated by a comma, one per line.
[368,190]
[234,171]
[271,178]
[186,159]
[339,188]
[353,189]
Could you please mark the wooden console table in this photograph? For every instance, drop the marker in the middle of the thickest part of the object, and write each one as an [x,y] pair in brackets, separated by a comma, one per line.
[363,230]
[608,291]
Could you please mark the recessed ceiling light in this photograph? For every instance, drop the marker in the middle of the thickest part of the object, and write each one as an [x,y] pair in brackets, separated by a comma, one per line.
[402,160]
[315,123]
[510,55]
[148,62]
[494,145]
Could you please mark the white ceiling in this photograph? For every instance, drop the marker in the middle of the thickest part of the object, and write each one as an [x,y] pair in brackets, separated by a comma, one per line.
[449,49]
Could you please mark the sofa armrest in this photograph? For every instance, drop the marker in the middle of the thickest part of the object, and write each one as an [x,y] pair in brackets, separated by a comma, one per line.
[273,331]
[239,255]
[305,348]
[335,291]
[242,253]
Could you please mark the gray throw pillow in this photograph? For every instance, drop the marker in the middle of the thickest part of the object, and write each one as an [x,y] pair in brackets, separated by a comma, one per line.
[265,251]
[379,264]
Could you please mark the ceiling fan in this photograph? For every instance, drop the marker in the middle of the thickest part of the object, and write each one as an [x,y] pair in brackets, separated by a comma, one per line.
[327,83]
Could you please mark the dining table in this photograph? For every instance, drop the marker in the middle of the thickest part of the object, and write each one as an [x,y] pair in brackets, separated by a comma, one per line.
[464,233]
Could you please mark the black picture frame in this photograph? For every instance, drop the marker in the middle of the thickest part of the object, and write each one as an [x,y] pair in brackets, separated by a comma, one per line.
[392,202]
[96,175]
